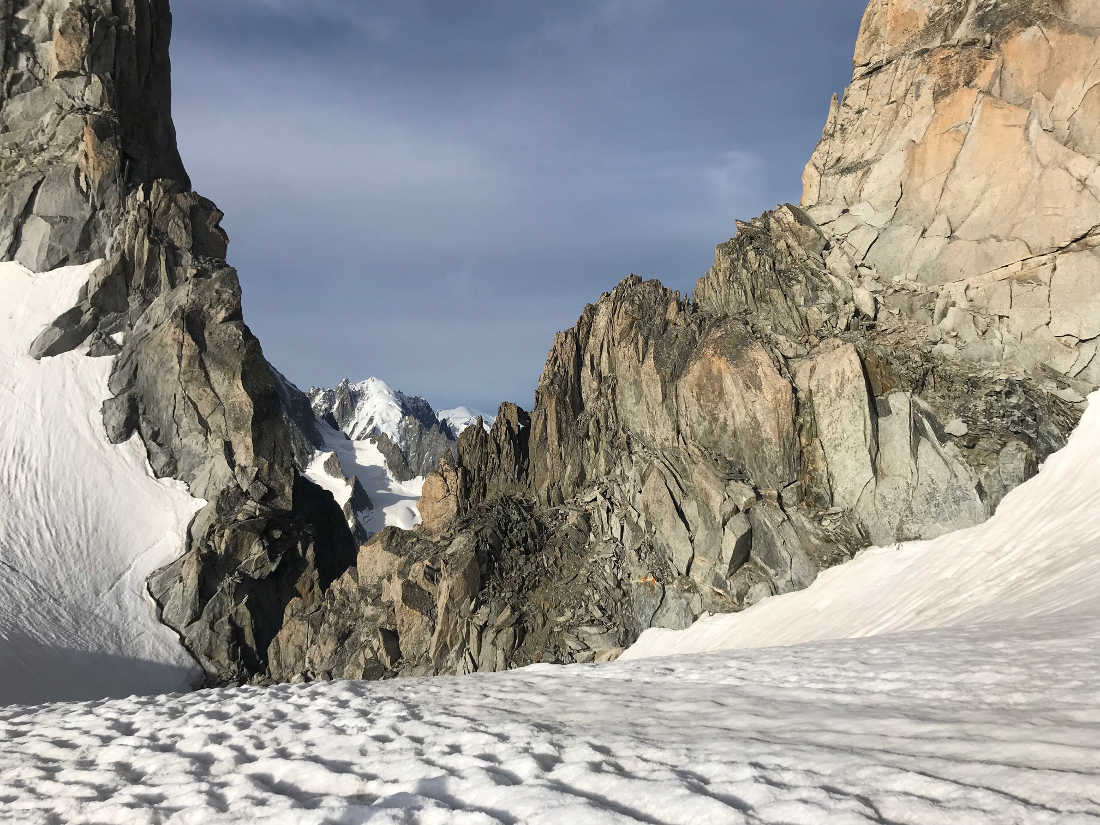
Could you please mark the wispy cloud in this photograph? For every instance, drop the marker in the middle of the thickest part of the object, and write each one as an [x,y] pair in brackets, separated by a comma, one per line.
[370,22]
[735,178]
[614,12]
[577,26]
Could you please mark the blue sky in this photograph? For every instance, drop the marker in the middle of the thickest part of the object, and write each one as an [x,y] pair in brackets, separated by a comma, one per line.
[427,190]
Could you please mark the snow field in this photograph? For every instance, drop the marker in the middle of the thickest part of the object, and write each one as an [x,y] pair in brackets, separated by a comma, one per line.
[82,522]
[395,502]
[990,725]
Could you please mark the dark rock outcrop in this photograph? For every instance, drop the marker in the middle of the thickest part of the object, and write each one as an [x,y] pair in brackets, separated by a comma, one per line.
[89,169]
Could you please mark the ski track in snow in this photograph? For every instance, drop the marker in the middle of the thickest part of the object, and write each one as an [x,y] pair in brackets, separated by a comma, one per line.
[995,725]
[82,522]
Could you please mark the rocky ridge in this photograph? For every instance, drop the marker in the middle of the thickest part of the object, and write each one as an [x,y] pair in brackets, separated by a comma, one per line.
[881,363]
[89,170]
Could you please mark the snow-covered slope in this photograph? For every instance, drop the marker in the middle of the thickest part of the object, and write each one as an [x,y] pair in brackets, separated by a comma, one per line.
[989,717]
[459,418]
[1038,555]
[394,503]
[82,522]
[977,727]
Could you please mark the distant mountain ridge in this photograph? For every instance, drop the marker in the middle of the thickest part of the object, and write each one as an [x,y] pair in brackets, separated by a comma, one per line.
[378,444]
[459,418]
[406,428]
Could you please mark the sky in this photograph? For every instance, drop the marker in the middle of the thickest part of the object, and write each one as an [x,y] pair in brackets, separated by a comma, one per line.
[427,190]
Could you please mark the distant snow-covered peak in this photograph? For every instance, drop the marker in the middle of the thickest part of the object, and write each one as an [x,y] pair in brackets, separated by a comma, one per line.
[416,437]
[370,407]
[459,418]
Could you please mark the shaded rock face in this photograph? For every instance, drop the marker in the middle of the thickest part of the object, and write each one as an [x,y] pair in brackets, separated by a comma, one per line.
[964,160]
[505,585]
[485,466]
[86,103]
[90,170]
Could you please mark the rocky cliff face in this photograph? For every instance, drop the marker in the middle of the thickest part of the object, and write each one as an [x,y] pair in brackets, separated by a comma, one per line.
[962,164]
[86,98]
[89,169]
[881,363]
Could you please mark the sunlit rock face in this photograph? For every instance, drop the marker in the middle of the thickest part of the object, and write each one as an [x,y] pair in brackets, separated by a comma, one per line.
[965,159]
[85,96]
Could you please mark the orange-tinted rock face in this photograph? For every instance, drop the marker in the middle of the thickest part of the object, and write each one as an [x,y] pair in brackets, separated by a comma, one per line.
[732,400]
[966,153]
[888,26]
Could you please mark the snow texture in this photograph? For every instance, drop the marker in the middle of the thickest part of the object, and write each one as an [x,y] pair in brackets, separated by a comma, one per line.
[978,702]
[990,725]
[1039,554]
[395,502]
[459,418]
[82,522]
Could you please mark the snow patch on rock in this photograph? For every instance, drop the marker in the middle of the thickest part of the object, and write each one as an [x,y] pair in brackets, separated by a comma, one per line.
[459,418]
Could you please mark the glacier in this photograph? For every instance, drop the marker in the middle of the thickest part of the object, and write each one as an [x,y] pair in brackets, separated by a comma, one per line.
[394,502]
